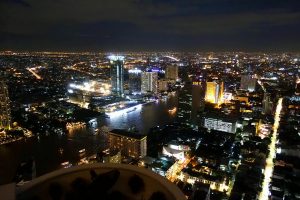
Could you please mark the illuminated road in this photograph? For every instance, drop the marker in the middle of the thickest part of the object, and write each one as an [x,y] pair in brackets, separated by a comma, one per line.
[272,147]
[35,74]
[176,168]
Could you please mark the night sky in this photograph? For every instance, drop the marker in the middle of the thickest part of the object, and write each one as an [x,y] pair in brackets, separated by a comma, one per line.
[120,25]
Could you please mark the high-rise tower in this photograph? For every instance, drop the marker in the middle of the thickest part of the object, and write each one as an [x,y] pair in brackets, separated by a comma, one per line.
[117,74]
[135,80]
[248,83]
[214,92]
[198,95]
[172,72]
[5,119]
[149,82]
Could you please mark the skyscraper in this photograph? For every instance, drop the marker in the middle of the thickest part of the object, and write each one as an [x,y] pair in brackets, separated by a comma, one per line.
[185,104]
[248,83]
[135,80]
[214,92]
[5,119]
[117,74]
[267,104]
[172,72]
[198,95]
[149,82]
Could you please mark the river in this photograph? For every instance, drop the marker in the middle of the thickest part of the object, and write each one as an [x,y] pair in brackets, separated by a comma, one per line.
[46,149]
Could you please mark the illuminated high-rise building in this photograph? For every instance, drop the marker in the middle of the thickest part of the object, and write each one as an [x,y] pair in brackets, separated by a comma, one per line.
[129,143]
[198,95]
[248,83]
[149,82]
[134,80]
[117,74]
[214,92]
[5,118]
[267,104]
[172,72]
[185,104]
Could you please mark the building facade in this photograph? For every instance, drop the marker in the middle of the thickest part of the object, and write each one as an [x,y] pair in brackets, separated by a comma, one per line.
[5,118]
[185,104]
[163,85]
[214,92]
[198,95]
[129,143]
[135,80]
[220,125]
[248,83]
[117,74]
[149,82]
[172,72]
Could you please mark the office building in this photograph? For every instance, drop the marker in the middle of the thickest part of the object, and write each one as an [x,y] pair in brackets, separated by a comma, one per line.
[267,104]
[198,95]
[111,156]
[163,85]
[5,118]
[220,124]
[214,92]
[248,83]
[185,104]
[130,144]
[135,80]
[149,82]
[172,72]
[117,74]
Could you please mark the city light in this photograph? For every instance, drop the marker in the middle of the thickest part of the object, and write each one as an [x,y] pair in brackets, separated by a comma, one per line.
[268,172]
[31,70]
[124,111]
[135,71]
[116,57]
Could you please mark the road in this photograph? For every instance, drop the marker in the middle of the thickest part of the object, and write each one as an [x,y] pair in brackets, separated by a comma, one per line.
[264,195]
[176,168]
[31,70]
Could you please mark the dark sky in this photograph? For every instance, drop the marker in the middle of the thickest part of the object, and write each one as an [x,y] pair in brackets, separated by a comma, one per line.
[119,25]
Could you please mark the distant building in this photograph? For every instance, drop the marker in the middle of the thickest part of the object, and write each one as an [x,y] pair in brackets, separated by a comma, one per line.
[214,92]
[172,72]
[135,80]
[267,104]
[220,124]
[113,156]
[117,74]
[176,150]
[149,82]
[130,144]
[163,85]
[248,83]
[5,118]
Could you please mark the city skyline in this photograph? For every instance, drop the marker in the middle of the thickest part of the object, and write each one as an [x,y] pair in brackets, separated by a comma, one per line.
[134,25]
[150,99]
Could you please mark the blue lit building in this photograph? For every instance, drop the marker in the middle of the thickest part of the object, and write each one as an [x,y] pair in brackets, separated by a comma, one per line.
[117,74]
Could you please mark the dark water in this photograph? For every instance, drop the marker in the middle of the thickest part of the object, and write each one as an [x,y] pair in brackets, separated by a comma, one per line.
[45,149]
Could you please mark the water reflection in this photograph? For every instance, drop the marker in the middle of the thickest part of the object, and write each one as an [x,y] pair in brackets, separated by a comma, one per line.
[50,151]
